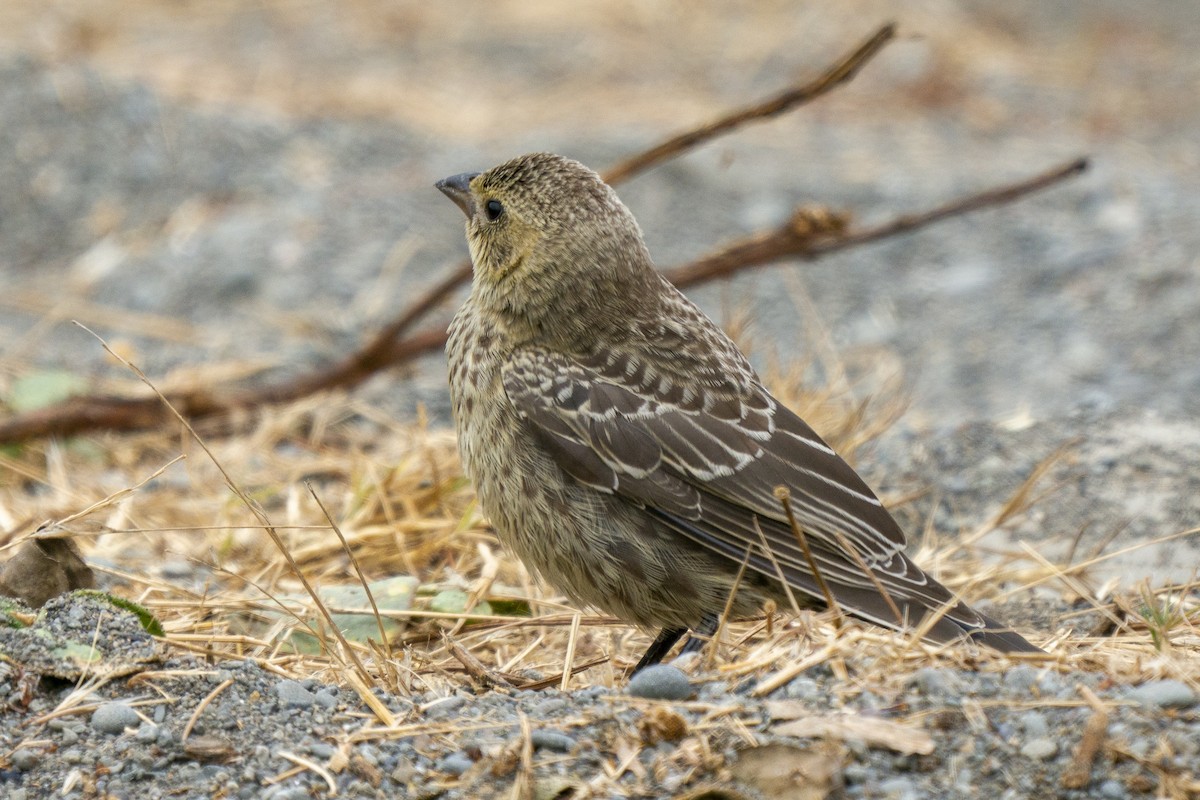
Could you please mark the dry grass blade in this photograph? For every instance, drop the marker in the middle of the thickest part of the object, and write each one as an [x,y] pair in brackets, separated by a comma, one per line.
[870,573]
[871,731]
[203,704]
[770,554]
[785,499]
[383,637]
[729,600]
[1079,774]
[523,784]
[249,504]
[569,658]
[474,667]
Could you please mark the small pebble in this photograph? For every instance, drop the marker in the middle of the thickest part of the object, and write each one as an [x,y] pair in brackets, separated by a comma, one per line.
[1112,789]
[1050,684]
[660,682]
[552,740]
[446,706]
[802,689]
[293,695]
[934,682]
[114,718]
[455,764]
[26,759]
[322,750]
[1035,725]
[1020,679]
[1040,749]
[547,707]
[177,570]
[899,788]
[1164,694]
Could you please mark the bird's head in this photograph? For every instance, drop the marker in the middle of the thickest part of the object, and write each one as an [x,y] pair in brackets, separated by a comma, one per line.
[550,241]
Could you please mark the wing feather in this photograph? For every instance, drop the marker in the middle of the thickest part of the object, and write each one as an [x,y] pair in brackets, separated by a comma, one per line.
[706,462]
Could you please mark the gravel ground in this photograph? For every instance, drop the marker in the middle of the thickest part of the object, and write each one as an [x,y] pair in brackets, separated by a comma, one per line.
[194,215]
[1013,733]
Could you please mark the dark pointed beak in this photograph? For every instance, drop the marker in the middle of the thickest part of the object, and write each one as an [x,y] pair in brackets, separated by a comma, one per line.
[458,189]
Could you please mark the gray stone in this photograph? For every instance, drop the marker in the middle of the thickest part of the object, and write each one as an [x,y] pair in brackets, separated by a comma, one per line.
[26,758]
[1040,749]
[935,682]
[1164,694]
[552,740]
[114,718]
[455,764]
[899,788]
[1020,679]
[322,749]
[1035,725]
[660,682]
[446,707]
[1113,789]
[293,695]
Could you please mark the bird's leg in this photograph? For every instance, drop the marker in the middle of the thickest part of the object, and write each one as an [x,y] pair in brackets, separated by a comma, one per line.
[701,634]
[661,645]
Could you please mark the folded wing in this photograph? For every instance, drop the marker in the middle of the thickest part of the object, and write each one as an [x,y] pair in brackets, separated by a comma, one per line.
[703,451]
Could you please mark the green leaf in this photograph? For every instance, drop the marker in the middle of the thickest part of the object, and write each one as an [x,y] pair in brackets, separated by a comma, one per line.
[44,388]
[454,601]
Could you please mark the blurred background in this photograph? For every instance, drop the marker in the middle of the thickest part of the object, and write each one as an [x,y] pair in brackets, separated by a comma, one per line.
[247,186]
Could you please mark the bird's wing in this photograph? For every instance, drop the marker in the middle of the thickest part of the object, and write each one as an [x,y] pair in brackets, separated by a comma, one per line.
[704,452]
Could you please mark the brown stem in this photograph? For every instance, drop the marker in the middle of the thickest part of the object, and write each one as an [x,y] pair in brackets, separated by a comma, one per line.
[781,103]
[791,240]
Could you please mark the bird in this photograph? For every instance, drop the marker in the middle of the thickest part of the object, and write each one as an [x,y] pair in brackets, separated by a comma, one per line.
[625,450]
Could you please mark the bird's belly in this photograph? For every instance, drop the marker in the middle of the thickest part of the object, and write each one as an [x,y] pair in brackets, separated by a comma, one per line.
[594,547]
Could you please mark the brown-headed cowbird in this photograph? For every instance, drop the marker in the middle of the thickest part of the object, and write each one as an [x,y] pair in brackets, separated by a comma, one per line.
[622,445]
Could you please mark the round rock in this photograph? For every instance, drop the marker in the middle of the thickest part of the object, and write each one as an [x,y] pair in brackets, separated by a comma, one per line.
[26,759]
[1040,749]
[1164,694]
[551,740]
[660,682]
[293,695]
[455,764]
[114,718]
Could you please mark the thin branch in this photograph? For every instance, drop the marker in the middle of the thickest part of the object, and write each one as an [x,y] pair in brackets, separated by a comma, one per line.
[781,103]
[381,351]
[800,237]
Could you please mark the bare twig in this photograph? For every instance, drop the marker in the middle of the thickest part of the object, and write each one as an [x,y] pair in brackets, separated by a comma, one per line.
[798,241]
[386,348]
[781,103]
[474,667]
[393,345]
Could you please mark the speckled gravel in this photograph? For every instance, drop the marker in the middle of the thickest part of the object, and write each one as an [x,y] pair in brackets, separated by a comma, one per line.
[1007,323]
[1011,733]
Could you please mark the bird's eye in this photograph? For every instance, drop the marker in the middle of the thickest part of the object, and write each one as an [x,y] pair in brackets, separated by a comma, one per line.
[493,209]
